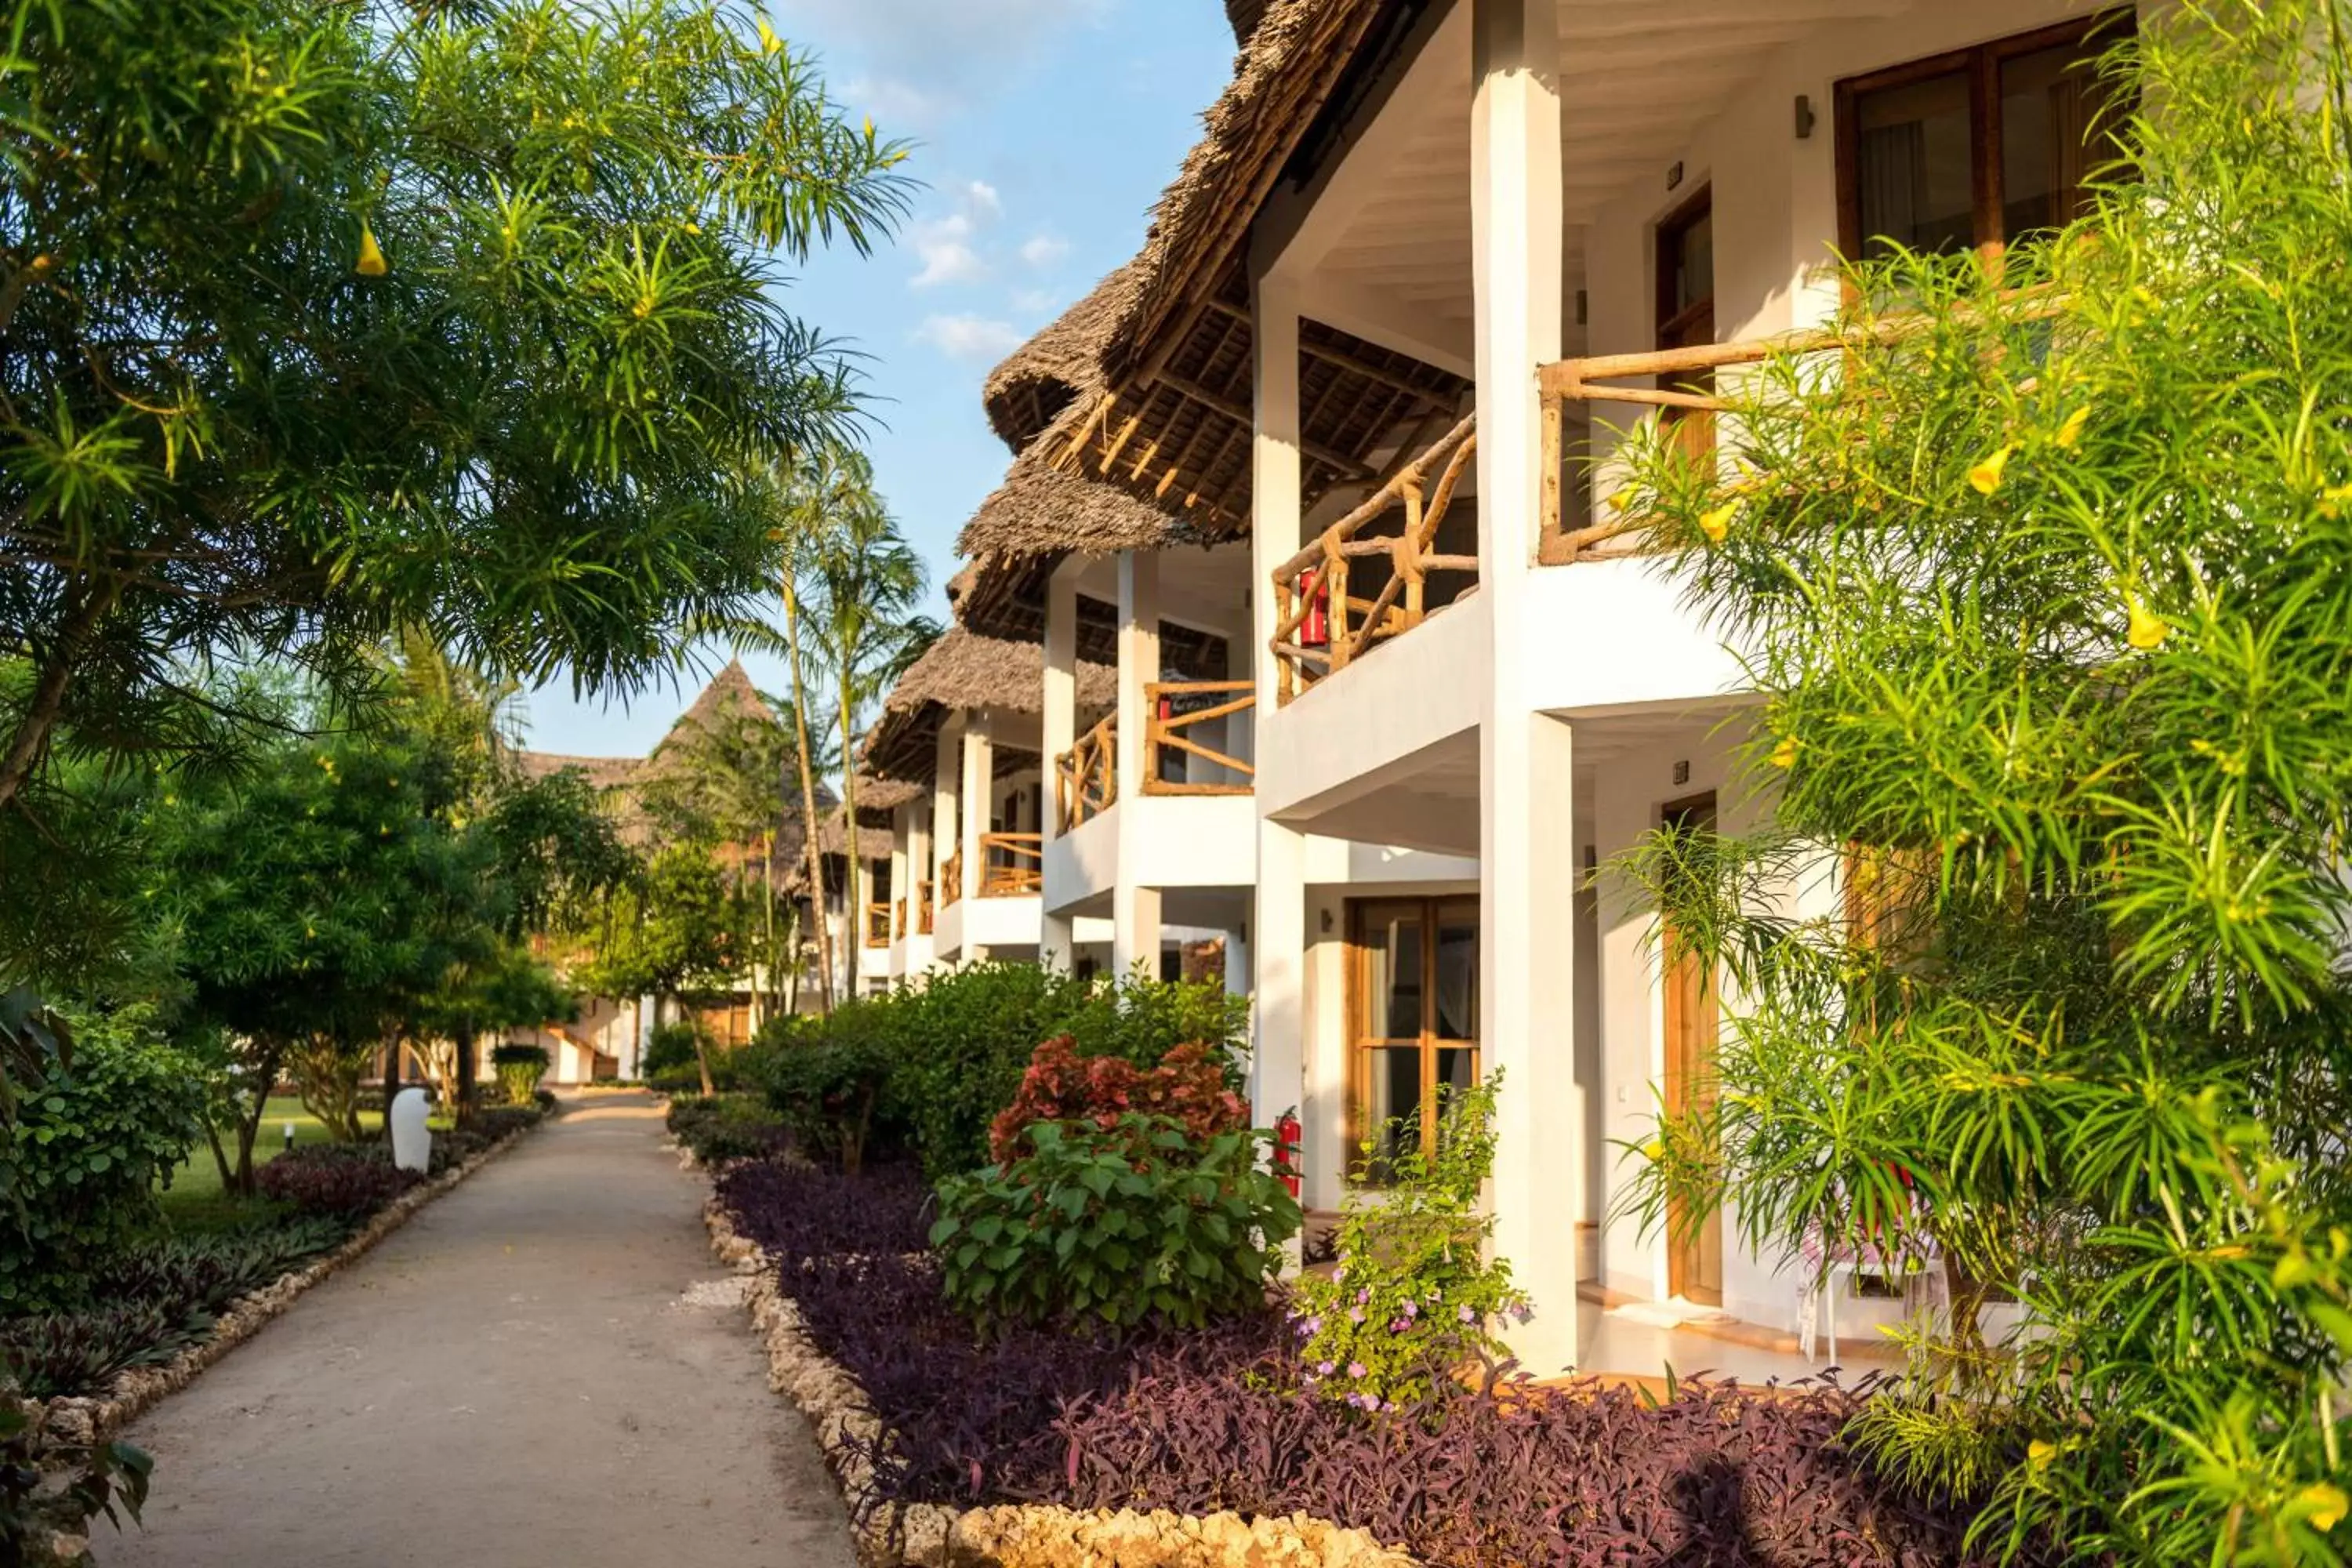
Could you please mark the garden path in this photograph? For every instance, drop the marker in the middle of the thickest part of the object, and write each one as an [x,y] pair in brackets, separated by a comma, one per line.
[519,1375]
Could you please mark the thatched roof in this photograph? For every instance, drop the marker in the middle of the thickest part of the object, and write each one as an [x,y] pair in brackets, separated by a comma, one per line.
[1042,509]
[1039,378]
[1245,15]
[601,773]
[965,670]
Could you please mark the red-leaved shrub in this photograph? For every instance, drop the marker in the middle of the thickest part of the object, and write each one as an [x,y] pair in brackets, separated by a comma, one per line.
[1187,1086]
[346,1180]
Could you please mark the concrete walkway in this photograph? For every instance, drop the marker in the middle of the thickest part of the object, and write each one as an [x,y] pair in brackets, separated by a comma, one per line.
[518,1376]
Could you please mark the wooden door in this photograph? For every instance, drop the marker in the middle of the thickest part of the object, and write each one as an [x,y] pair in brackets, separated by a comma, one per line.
[1686,319]
[1694,1242]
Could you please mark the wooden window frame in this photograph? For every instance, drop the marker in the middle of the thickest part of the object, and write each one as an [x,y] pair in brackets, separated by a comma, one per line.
[1982,62]
[1361,1044]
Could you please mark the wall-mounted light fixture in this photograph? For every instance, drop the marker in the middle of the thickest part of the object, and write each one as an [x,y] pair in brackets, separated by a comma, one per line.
[1804,117]
[1675,175]
[1682,773]
[1327,922]
[1583,307]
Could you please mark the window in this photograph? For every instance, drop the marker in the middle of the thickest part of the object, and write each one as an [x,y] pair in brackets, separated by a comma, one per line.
[1413,1015]
[1984,147]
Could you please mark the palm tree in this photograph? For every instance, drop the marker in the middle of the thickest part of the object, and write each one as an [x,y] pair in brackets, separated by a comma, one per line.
[829,481]
[865,581]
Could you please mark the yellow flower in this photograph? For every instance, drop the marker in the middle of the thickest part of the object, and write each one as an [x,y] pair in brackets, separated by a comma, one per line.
[2332,499]
[2071,431]
[1986,476]
[2039,1453]
[2145,632]
[1784,755]
[1717,523]
[371,263]
[1655,1149]
[769,42]
[2327,1503]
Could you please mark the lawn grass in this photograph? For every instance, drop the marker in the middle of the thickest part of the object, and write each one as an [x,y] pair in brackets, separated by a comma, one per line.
[196,1183]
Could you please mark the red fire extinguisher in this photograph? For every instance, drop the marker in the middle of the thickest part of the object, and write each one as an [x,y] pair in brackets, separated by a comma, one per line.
[1314,626]
[1286,1135]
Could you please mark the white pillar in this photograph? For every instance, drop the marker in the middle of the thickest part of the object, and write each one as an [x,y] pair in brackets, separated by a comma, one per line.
[946,781]
[1527,868]
[901,833]
[1138,660]
[1135,910]
[1057,947]
[979,783]
[1277,934]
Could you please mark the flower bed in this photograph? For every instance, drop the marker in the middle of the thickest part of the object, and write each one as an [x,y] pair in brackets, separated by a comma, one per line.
[924,1420]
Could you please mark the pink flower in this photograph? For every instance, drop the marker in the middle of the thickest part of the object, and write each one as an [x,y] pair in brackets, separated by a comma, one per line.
[1356,1369]
[1465,1314]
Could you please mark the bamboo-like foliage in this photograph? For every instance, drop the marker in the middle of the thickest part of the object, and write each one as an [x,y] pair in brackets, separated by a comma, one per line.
[2051,603]
[323,321]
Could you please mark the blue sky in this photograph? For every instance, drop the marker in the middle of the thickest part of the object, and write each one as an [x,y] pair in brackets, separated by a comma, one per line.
[1045,130]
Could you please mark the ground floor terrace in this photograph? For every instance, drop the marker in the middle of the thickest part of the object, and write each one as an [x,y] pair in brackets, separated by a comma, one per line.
[1524,946]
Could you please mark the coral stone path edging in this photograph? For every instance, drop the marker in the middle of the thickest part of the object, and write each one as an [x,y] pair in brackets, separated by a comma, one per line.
[94,1418]
[932,1535]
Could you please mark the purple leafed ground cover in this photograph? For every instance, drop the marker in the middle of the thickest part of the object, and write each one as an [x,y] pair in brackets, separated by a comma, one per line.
[1199,1422]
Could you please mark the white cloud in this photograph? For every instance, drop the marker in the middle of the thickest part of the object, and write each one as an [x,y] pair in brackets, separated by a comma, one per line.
[1035,301]
[923,58]
[1042,250]
[945,245]
[982,198]
[970,337]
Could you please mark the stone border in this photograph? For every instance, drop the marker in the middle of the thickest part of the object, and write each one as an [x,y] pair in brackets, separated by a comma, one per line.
[932,1535]
[89,1419]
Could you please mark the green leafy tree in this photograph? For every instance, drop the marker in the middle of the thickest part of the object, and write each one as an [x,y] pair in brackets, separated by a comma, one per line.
[865,581]
[2044,573]
[727,779]
[328,320]
[312,909]
[676,932]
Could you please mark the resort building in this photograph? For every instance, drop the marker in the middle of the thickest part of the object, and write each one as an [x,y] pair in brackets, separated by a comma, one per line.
[1316,475]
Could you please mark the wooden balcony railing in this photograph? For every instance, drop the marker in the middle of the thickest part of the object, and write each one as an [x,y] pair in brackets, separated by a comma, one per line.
[923,910]
[899,921]
[1012,864]
[1589,380]
[1177,707]
[1319,626]
[1085,777]
[877,925]
[951,879]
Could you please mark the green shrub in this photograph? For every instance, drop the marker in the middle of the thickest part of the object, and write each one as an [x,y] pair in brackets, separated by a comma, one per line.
[833,1092]
[1414,1296]
[669,1048]
[520,1069]
[1133,1223]
[725,1127]
[90,1143]
[957,1047]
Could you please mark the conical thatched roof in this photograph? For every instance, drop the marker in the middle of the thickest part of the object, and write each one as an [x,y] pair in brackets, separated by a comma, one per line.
[1244,14]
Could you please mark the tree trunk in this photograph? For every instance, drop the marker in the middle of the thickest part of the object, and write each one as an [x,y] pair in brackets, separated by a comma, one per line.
[808,794]
[702,1054]
[468,1064]
[854,876]
[49,695]
[391,1084]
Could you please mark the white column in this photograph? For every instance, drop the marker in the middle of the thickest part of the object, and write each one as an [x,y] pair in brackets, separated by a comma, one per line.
[979,781]
[901,832]
[1135,910]
[1277,944]
[1056,946]
[1527,868]
[947,785]
[1138,660]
